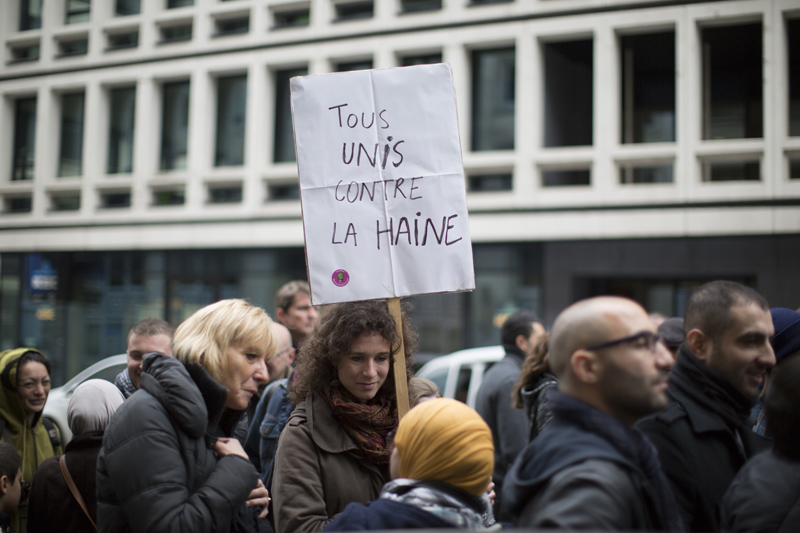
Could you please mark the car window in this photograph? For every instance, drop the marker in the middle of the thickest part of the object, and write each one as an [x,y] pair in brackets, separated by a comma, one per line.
[462,385]
[439,377]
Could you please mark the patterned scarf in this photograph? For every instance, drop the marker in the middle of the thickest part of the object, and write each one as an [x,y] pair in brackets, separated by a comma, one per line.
[367,424]
[124,384]
[464,512]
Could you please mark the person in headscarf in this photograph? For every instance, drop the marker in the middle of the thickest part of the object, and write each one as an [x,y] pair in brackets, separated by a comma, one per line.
[441,467]
[52,506]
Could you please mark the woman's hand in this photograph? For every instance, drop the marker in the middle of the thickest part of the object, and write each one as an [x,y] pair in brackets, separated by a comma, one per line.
[490,491]
[226,446]
[259,497]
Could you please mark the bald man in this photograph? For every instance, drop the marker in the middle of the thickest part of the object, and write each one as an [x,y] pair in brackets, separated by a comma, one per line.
[280,366]
[589,469]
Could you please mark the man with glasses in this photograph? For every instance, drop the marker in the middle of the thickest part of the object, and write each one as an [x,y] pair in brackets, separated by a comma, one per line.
[589,469]
[703,437]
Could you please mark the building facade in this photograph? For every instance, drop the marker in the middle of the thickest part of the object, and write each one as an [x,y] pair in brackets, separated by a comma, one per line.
[625,146]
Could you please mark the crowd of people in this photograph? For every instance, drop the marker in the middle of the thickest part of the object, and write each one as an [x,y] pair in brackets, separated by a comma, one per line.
[612,420]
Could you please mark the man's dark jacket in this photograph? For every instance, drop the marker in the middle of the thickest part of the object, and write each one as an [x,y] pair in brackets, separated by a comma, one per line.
[703,438]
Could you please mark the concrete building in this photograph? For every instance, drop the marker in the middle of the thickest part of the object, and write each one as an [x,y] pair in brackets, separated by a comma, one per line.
[630,146]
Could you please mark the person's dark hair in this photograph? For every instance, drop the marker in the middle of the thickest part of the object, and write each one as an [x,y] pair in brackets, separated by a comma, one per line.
[782,406]
[152,326]
[535,364]
[337,327]
[10,461]
[34,357]
[518,323]
[709,307]
[285,296]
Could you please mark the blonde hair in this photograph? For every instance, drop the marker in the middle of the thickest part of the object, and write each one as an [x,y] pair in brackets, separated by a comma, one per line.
[204,337]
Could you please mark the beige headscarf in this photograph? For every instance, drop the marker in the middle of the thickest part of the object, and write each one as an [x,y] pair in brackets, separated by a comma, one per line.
[91,406]
[444,440]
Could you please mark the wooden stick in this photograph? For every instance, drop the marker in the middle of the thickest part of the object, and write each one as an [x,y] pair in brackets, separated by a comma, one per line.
[400,380]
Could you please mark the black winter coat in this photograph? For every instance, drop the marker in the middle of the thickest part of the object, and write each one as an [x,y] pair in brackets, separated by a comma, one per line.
[51,506]
[764,497]
[156,471]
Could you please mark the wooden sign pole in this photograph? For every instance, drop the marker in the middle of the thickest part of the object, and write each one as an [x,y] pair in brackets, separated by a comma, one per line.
[400,380]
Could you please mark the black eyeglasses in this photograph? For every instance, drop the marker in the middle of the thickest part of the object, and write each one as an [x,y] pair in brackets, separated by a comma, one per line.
[648,337]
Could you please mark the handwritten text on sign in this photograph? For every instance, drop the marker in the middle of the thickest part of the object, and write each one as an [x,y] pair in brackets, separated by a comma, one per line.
[382,184]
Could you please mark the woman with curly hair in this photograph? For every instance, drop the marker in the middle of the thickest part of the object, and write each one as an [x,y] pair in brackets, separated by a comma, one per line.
[335,448]
[531,391]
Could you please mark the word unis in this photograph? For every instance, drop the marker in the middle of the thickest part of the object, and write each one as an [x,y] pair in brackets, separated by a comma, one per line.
[355,191]
[440,234]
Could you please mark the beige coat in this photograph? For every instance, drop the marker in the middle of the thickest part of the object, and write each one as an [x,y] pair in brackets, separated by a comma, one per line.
[318,470]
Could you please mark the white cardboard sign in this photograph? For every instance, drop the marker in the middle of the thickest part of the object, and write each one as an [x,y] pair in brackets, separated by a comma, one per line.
[381,183]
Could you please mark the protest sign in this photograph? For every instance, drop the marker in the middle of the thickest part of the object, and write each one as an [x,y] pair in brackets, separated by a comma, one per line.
[381,183]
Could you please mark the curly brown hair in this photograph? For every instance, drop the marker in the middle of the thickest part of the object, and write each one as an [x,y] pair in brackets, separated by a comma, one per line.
[536,364]
[337,327]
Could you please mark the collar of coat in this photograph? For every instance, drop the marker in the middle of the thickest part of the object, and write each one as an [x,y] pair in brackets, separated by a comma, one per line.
[327,433]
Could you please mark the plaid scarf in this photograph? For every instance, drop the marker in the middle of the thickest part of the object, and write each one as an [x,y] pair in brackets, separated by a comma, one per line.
[367,424]
[462,510]
[124,384]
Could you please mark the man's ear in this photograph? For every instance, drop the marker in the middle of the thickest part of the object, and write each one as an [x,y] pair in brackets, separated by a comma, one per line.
[586,366]
[699,344]
[292,353]
[4,485]
[522,343]
[280,314]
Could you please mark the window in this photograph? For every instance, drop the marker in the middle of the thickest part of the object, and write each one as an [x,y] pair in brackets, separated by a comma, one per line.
[30,15]
[284,136]
[291,18]
[225,195]
[176,33]
[425,59]
[353,10]
[284,191]
[127,7]
[347,66]
[18,204]
[78,11]
[410,6]
[24,138]
[732,82]
[793,42]
[232,26]
[171,4]
[231,113]
[115,200]
[493,79]
[568,87]
[648,88]
[562,178]
[794,168]
[489,182]
[174,125]
[122,109]
[65,202]
[73,47]
[169,197]
[645,174]
[118,41]
[71,156]
[731,171]
[24,52]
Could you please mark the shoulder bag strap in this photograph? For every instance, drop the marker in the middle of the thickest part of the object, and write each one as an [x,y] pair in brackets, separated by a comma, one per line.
[74,490]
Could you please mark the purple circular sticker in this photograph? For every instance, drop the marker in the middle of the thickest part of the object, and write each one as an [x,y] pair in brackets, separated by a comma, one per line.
[340,278]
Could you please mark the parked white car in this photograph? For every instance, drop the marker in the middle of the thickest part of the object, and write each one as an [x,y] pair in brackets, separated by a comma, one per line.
[58,400]
[459,374]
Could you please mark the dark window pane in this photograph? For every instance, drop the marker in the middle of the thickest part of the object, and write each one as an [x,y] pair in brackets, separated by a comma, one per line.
[25,53]
[74,48]
[65,202]
[794,169]
[648,88]
[225,195]
[292,18]
[24,138]
[181,32]
[489,182]
[646,174]
[420,5]
[169,197]
[70,158]
[732,171]
[493,99]
[284,137]
[353,10]
[427,59]
[284,191]
[78,11]
[123,40]
[20,204]
[113,200]
[732,82]
[560,178]
[231,113]
[793,42]
[174,125]
[568,90]
[30,15]
[179,3]
[120,135]
[233,26]
[127,7]
[348,66]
